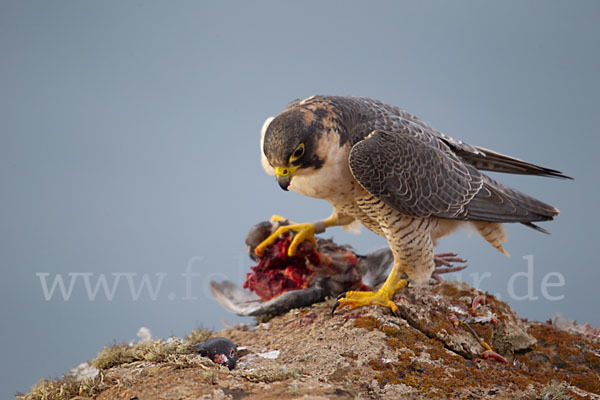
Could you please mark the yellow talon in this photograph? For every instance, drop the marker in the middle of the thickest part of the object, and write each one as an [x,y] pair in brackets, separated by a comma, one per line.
[275,218]
[303,232]
[383,297]
[401,284]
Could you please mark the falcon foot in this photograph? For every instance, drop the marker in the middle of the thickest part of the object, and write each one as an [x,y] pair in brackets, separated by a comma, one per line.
[304,232]
[383,297]
[446,259]
[443,265]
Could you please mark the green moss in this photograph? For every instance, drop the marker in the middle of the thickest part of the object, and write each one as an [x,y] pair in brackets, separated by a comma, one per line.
[210,377]
[199,335]
[293,390]
[156,351]
[263,319]
[116,355]
[272,374]
[65,388]
[554,391]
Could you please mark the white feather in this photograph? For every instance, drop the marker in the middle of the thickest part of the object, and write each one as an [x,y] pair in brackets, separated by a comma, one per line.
[333,180]
[263,159]
[353,227]
[307,99]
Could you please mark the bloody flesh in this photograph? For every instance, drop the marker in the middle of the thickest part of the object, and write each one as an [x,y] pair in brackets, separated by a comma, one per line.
[277,273]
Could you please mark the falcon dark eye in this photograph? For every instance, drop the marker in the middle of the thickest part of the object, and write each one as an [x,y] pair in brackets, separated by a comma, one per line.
[299,152]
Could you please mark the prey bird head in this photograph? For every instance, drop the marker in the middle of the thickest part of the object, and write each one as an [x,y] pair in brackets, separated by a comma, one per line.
[290,144]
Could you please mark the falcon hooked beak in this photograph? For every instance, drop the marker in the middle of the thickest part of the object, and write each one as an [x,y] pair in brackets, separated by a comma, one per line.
[284,176]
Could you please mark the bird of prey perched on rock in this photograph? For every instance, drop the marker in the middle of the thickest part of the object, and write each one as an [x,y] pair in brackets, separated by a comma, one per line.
[377,164]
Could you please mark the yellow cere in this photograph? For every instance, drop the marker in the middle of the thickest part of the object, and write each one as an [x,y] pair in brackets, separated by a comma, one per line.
[284,171]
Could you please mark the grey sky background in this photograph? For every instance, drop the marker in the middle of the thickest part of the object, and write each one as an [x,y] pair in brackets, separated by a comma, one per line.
[129,136]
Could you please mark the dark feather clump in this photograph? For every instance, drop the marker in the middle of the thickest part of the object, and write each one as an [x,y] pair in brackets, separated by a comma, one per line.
[220,350]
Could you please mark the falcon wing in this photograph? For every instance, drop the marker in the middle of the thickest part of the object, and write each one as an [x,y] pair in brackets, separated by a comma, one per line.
[489,160]
[417,173]
[393,119]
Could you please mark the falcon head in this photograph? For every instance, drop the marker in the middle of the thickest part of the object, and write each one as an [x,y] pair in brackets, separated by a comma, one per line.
[290,144]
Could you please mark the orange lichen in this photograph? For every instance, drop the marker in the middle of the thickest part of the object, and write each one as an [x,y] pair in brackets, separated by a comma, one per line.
[485,332]
[369,323]
[552,359]
[564,356]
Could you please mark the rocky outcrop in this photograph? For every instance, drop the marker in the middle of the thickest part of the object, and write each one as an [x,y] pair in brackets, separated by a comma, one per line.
[451,342]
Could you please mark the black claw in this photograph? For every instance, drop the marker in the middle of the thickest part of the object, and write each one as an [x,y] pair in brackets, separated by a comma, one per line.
[396,313]
[343,294]
[335,306]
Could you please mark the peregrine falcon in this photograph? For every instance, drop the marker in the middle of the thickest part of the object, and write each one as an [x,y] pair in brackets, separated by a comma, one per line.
[381,166]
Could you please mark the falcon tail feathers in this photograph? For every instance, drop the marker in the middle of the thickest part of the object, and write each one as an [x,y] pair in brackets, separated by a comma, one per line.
[534,226]
[489,160]
[498,203]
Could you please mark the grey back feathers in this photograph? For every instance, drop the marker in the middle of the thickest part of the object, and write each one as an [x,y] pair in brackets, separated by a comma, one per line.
[417,170]
[416,178]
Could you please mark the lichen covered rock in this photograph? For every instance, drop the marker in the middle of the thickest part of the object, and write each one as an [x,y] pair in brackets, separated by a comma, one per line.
[369,353]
